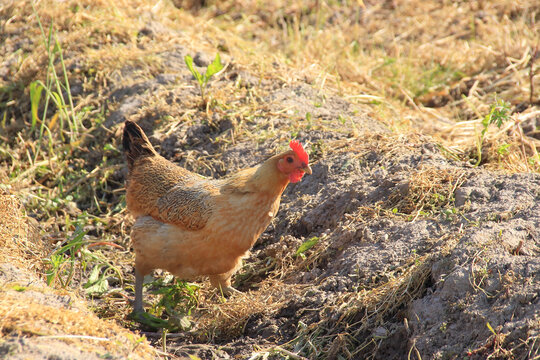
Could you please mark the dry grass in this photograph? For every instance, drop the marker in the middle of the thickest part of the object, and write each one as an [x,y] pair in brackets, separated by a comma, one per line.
[437,67]
[428,190]
[28,308]
[22,313]
[19,237]
[220,319]
[393,55]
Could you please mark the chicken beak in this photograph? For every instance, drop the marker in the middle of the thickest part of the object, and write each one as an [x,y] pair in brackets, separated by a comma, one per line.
[307,169]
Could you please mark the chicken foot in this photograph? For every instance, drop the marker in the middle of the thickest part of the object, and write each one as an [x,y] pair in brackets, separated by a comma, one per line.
[223,282]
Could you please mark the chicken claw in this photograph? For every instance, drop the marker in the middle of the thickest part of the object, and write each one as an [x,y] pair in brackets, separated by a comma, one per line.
[229,291]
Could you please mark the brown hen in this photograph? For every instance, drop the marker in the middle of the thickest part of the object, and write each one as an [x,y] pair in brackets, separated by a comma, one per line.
[192,226]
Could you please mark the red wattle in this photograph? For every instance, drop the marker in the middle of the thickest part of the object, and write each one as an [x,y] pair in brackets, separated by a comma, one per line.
[296,176]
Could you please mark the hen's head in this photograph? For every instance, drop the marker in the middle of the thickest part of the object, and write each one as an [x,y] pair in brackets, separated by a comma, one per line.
[294,163]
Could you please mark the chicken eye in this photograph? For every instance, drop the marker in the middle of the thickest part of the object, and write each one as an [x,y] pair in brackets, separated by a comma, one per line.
[289,159]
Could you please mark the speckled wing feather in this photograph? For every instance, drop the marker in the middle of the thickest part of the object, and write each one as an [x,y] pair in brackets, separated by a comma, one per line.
[187,207]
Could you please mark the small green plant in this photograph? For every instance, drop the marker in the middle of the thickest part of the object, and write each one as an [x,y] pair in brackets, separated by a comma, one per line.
[175,293]
[56,125]
[202,79]
[450,214]
[74,253]
[149,320]
[62,261]
[305,246]
[498,115]
[503,149]
[443,327]
[176,302]
[97,283]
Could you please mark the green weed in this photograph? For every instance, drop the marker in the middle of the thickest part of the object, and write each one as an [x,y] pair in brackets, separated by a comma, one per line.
[72,255]
[498,115]
[97,283]
[202,79]
[58,129]
[57,90]
[305,246]
[178,299]
[62,261]
[503,149]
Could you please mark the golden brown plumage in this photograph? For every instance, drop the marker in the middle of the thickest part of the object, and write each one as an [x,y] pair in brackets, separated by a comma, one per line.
[192,226]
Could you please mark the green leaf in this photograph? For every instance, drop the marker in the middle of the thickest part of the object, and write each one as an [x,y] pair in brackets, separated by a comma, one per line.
[498,115]
[180,322]
[189,63]
[98,288]
[306,245]
[94,276]
[110,147]
[213,68]
[485,124]
[35,95]
[58,100]
[503,149]
[150,320]
[54,261]
[97,284]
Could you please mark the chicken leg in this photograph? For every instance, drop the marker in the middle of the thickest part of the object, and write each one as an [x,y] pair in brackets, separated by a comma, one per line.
[138,303]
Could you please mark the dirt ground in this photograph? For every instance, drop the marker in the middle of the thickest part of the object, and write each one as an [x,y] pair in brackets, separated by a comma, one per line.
[415,253]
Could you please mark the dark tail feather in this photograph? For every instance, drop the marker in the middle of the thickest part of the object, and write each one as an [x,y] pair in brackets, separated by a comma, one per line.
[135,143]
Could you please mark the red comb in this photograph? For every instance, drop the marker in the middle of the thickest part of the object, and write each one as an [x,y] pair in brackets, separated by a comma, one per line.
[299,151]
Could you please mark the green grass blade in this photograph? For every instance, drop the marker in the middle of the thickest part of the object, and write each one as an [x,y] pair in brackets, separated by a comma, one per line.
[73,119]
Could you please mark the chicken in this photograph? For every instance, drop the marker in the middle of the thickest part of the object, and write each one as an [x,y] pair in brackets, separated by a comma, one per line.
[193,226]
